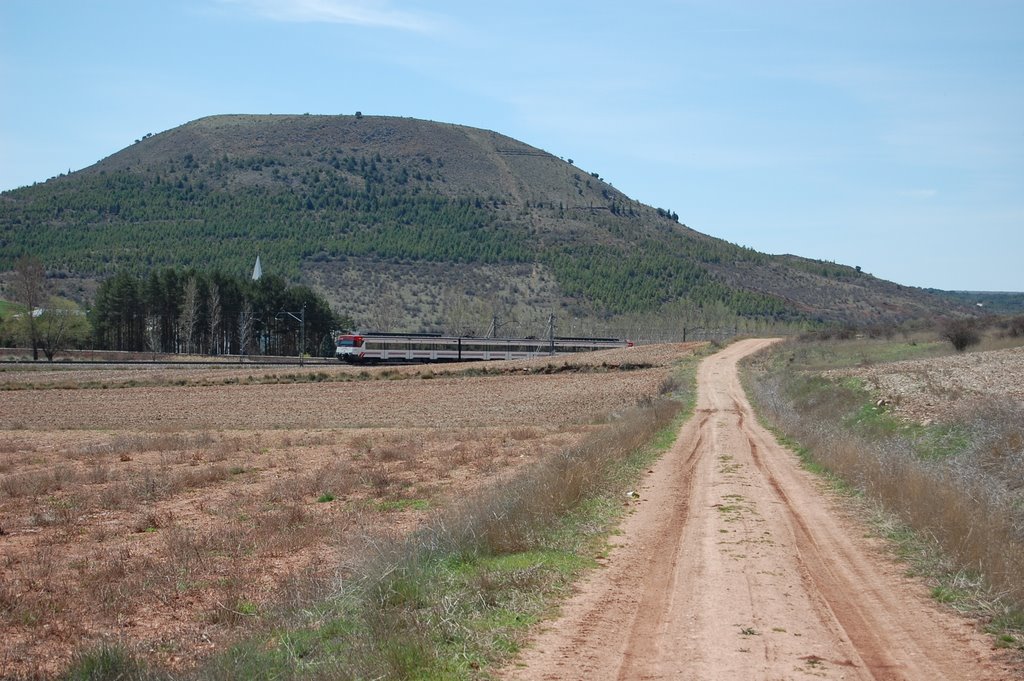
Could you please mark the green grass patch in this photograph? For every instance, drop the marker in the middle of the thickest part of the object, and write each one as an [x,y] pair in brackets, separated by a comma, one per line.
[849,401]
[1008,629]
[820,356]
[8,308]
[403,505]
[106,662]
[943,594]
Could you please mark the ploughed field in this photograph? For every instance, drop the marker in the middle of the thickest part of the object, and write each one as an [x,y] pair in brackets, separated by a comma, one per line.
[169,508]
[940,388]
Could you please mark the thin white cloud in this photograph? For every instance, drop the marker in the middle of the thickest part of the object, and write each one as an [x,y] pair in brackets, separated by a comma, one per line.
[368,13]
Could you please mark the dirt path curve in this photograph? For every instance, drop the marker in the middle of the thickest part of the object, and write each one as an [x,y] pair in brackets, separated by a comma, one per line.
[735,566]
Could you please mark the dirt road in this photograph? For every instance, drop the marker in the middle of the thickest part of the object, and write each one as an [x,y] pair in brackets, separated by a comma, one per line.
[736,566]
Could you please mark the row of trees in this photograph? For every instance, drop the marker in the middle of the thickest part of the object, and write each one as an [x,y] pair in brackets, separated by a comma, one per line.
[211,313]
[175,311]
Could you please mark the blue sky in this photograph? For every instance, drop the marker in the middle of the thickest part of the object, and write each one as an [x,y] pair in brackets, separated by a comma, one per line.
[888,135]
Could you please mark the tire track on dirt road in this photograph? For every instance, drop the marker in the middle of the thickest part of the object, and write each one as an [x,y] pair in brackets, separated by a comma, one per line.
[734,565]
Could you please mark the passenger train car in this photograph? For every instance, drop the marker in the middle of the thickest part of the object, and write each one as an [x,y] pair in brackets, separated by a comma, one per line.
[397,348]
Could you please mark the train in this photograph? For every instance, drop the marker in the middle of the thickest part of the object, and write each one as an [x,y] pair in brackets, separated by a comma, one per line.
[410,348]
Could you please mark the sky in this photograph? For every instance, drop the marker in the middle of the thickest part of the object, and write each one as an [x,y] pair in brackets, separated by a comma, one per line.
[887,135]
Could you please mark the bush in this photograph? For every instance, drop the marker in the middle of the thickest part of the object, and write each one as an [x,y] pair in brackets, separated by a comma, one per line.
[962,333]
[844,332]
[1015,327]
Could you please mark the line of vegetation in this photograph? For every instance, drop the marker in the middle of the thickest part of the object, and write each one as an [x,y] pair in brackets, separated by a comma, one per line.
[952,491]
[172,311]
[208,312]
[455,599]
[320,376]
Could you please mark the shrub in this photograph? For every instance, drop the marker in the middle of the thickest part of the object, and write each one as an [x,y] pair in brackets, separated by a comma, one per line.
[962,333]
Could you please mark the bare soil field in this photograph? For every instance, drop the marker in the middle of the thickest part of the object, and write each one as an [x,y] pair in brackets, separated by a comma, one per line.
[936,388]
[168,507]
[736,565]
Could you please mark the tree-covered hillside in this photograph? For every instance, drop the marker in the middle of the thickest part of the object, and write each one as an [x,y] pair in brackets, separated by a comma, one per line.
[322,197]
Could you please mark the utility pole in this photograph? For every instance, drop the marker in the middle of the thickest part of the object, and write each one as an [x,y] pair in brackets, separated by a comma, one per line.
[551,332]
[495,327]
[302,330]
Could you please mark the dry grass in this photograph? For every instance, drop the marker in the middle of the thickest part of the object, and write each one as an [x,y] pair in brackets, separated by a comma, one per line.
[421,604]
[177,536]
[958,482]
[36,483]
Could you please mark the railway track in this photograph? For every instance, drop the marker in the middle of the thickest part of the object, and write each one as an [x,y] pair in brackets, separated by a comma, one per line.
[170,364]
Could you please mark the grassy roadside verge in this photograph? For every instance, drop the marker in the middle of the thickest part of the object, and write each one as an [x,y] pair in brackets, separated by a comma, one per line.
[943,494]
[455,599]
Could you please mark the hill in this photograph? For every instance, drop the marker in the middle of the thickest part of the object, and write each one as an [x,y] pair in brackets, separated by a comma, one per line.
[411,224]
[995,302]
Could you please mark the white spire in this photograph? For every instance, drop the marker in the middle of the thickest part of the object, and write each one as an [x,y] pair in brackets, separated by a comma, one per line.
[257,271]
